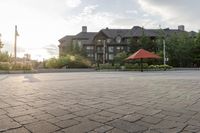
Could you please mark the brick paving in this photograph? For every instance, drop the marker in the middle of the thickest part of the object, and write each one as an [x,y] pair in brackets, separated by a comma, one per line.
[101,102]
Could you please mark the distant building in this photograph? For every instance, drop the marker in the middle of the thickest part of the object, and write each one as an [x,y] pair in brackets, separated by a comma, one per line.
[102,46]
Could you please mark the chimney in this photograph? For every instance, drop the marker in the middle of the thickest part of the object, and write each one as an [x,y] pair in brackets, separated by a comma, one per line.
[84,28]
[181,27]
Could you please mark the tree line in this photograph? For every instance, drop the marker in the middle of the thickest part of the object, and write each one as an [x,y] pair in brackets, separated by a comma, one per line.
[182,49]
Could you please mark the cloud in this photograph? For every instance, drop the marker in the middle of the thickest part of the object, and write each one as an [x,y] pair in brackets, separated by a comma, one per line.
[89,9]
[72,3]
[51,49]
[174,12]
[131,11]
[91,17]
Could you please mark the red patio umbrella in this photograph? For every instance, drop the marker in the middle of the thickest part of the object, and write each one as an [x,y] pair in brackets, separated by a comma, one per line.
[142,54]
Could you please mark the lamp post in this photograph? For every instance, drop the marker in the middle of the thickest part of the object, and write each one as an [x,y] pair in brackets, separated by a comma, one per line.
[164,53]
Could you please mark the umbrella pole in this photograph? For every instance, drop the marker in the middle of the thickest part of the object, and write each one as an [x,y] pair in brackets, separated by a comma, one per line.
[141,64]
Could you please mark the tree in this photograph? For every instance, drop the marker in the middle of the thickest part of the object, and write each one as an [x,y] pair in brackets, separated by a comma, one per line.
[120,57]
[179,49]
[75,49]
[196,51]
[1,44]
[145,42]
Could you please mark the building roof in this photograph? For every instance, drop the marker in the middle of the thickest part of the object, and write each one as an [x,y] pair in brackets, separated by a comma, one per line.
[66,40]
[88,36]
[138,31]
[85,35]
[112,33]
[193,33]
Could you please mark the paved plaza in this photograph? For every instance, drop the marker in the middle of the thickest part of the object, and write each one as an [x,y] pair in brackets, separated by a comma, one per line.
[100,102]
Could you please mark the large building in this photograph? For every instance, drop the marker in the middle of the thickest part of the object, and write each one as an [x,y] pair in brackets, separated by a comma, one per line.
[102,46]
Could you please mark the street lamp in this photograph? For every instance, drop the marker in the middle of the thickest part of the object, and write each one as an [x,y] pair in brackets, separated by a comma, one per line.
[164,53]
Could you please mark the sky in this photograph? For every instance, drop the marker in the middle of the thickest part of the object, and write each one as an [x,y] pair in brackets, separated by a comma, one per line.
[41,23]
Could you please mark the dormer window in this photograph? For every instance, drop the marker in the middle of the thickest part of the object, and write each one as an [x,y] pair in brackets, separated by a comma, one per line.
[118,39]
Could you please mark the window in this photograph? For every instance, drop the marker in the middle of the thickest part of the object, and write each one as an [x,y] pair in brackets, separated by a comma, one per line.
[90,55]
[108,40]
[89,47]
[99,49]
[99,41]
[79,43]
[119,48]
[110,49]
[111,56]
[118,39]
[128,41]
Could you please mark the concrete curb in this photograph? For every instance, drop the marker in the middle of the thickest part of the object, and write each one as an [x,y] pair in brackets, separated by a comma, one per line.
[47,71]
[87,70]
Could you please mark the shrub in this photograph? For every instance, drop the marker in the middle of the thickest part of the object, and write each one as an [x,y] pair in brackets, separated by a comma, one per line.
[70,61]
[160,67]
[106,66]
[129,66]
[135,66]
[17,66]
[4,57]
[117,66]
[152,67]
[27,66]
[79,62]
[120,57]
[51,63]
[4,65]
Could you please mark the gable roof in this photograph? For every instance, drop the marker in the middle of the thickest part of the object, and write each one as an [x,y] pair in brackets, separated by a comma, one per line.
[138,31]
[87,36]
[66,38]
[112,33]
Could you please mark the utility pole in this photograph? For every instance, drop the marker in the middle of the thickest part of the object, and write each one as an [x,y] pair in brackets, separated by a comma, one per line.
[15,43]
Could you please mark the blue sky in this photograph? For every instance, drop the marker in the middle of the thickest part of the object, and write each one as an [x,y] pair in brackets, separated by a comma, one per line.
[42,22]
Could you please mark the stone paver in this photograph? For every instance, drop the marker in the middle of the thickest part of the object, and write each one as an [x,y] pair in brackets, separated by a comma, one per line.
[41,127]
[127,126]
[95,102]
[84,126]
[18,130]
[8,123]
